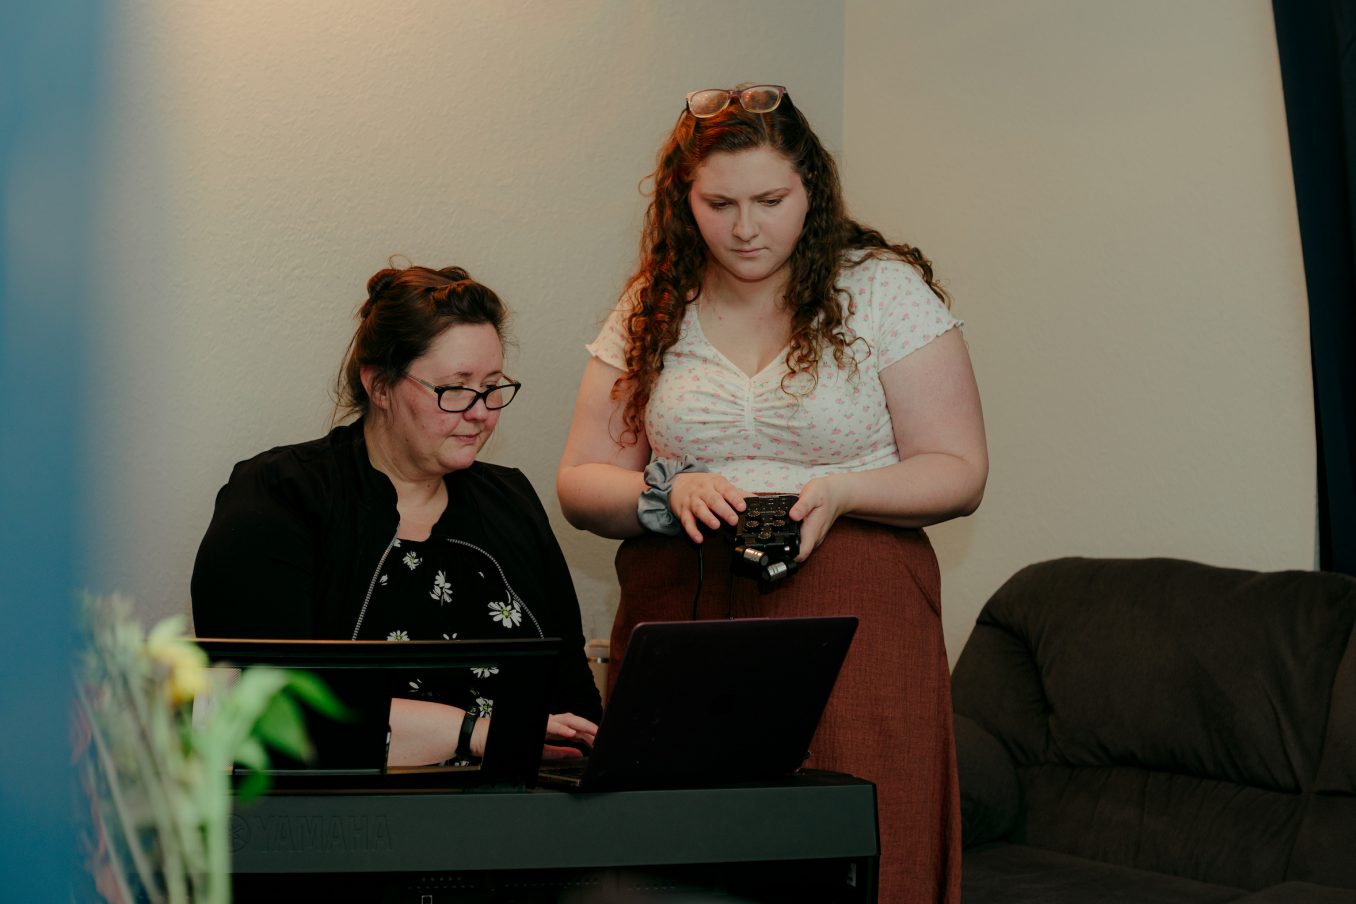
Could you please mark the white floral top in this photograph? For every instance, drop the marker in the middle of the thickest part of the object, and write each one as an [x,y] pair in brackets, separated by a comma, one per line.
[764,439]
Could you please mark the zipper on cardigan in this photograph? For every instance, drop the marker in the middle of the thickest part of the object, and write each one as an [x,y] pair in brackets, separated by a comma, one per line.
[513,594]
[372,584]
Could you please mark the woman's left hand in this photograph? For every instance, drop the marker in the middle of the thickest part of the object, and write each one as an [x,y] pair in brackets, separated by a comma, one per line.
[568,727]
[821,502]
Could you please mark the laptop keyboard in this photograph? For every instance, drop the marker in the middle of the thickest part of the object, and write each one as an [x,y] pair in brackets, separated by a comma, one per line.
[571,769]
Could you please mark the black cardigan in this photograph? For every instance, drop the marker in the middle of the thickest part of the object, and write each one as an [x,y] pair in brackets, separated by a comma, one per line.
[298,532]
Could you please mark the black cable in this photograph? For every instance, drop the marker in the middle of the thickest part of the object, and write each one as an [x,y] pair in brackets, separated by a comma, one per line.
[729,595]
[701,576]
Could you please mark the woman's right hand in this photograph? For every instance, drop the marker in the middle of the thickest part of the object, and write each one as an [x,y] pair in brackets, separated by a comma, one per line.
[568,736]
[698,498]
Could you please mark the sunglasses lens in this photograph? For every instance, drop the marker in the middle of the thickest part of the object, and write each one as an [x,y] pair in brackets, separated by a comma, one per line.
[708,102]
[761,98]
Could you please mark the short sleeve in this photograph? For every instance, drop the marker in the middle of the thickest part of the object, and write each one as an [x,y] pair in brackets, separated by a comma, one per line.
[905,314]
[610,346]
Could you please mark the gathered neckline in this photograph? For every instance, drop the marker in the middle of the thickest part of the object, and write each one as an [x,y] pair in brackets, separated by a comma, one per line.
[701,334]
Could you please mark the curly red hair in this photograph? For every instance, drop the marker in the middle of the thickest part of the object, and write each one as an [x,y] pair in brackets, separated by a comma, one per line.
[673,254]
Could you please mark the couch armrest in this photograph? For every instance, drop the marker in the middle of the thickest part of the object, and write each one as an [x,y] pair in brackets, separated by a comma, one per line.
[989,792]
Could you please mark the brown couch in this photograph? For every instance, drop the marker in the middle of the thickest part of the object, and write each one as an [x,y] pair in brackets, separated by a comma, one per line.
[1156,730]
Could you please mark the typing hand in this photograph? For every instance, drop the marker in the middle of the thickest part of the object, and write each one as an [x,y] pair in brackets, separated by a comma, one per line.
[568,736]
[564,750]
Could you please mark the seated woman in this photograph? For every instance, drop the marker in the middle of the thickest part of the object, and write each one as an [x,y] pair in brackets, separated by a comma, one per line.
[388,528]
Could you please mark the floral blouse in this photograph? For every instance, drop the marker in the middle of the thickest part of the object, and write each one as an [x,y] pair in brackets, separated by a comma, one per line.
[766,437]
[446,589]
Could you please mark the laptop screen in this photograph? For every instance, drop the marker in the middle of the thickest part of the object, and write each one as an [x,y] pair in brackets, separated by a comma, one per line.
[714,702]
[365,675]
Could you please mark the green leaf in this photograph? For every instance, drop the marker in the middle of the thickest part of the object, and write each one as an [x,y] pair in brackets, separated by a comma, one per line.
[282,726]
[251,785]
[168,628]
[252,755]
[256,687]
[311,690]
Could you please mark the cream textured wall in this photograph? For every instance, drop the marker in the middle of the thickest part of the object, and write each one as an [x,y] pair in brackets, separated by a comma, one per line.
[268,157]
[1105,188]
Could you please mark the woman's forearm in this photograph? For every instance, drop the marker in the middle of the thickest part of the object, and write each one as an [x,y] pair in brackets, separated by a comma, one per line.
[424,732]
[601,498]
[926,489]
[938,424]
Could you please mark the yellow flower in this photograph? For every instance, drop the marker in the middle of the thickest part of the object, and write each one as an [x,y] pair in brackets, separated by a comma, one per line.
[187,664]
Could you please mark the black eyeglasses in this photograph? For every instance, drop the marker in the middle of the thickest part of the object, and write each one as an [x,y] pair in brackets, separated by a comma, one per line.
[756,99]
[457,399]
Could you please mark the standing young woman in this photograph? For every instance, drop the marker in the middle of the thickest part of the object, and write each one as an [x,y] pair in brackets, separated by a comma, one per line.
[770,344]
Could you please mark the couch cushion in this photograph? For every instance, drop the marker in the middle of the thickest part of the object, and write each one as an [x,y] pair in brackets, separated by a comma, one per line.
[990,796]
[1325,851]
[1191,827]
[1300,893]
[1017,874]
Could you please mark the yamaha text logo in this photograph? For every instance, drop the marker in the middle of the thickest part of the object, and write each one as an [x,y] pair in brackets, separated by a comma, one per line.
[240,832]
[287,834]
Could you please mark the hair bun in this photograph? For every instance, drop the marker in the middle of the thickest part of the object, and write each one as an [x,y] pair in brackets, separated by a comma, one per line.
[377,286]
[380,282]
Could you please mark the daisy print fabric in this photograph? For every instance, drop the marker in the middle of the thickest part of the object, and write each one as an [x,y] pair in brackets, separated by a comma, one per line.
[444,589]
[764,439]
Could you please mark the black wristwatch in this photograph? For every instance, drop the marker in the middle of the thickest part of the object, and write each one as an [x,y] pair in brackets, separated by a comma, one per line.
[468,725]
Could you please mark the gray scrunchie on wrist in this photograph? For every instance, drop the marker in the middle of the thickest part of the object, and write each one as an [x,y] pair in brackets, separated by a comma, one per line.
[653,505]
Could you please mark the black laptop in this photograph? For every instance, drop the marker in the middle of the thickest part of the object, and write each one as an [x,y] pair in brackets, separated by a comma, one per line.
[706,703]
[365,675]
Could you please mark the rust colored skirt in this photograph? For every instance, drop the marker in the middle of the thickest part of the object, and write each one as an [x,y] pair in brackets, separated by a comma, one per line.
[889,719]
